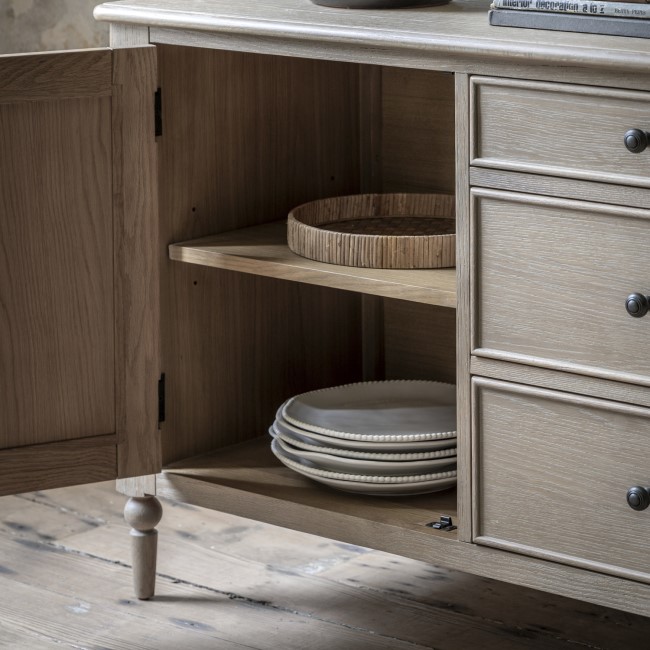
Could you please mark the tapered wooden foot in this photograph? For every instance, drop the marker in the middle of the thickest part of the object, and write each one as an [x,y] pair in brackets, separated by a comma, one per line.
[143,514]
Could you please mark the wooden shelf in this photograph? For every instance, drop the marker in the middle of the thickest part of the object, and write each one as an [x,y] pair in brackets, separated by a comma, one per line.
[263,250]
[247,480]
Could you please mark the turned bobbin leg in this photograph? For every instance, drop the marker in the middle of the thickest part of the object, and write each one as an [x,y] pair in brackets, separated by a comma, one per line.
[143,514]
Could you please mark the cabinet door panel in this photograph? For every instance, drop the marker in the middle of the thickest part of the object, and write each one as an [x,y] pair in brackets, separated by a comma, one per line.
[77,329]
[56,283]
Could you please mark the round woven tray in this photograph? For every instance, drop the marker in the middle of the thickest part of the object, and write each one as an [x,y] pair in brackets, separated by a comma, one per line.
[381,231]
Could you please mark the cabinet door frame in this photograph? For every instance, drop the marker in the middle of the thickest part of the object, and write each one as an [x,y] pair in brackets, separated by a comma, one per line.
[127,79]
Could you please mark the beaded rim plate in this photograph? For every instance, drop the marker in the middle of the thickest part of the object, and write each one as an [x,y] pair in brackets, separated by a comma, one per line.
[319,460]
[448,452]
[405,488]
[311,437]
[378,411]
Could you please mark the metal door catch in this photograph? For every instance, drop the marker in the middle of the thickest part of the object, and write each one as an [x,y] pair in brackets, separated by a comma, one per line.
[445,524]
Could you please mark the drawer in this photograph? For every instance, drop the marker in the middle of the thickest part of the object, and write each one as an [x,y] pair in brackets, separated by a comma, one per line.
[550,282]
[552,472]
[558,129]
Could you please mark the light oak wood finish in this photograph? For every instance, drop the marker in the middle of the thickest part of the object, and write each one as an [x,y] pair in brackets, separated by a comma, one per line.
[56,335]
[464,308]
[235,346]
[417,142]
[143,515]
[79,288]
[551,142]
[67,462]
[419,341]
[60,75]
[552,276]
[136,262]
[235,171]
[454,36]
[563,381]
[249,481]
[633,197]
[263,250]
[550,462]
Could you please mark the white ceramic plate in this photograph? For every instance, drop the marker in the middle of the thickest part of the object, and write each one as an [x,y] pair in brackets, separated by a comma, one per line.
[375,489]
[395,411]
[449,453]
[320,460]
[318,439]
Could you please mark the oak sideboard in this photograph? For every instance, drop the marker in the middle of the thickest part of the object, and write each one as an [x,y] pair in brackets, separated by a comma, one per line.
[152,317]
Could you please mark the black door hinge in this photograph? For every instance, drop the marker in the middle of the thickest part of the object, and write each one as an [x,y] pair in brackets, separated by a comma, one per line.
[161,399]
[157,111]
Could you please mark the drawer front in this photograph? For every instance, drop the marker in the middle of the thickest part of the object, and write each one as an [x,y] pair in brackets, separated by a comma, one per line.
[558,129]
[552,475]
[550,283]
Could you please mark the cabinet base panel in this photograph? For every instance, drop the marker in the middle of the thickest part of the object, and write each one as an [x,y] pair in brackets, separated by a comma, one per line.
[246,480]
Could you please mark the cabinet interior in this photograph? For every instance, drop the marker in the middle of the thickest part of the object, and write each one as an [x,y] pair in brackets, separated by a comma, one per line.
[246,138]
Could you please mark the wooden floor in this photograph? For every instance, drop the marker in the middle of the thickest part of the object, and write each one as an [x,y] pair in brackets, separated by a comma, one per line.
[229,583]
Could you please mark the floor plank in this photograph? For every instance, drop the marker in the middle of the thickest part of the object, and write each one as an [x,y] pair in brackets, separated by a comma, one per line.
[226,582]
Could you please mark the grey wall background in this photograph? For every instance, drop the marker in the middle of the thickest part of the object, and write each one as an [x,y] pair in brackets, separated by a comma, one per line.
[38,25]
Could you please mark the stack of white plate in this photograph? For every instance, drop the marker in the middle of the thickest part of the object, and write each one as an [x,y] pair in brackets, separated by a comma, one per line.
[382,437]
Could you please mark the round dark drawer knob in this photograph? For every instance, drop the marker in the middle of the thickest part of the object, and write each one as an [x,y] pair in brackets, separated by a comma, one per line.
[637,305]
[638,498]
[636,140]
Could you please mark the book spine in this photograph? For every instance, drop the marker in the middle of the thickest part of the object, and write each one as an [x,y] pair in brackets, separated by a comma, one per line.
[586,7]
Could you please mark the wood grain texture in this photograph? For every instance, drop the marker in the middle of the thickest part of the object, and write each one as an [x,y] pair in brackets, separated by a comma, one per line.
[417,140]
[136,261]
[545,457]
[448,36]
[122,36]
[546,144]
[563,381]
[255,486]
[552,278]
[370,127]
[633,197]
[262,250]
[274,133]
[137,486]
[298,585]
[55,75]
[373,354]
[463,309]
[56,284]
[420,341]
[68,462]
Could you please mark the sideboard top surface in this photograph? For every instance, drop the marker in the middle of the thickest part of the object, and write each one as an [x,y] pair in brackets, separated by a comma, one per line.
[458,32]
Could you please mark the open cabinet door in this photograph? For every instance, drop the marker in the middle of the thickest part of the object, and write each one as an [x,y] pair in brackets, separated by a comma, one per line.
[79,281]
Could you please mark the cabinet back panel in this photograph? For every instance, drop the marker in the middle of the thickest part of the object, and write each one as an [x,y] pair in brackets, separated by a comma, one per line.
[417,140]
[56,268]
[247,344]
[420,341]
[245,139]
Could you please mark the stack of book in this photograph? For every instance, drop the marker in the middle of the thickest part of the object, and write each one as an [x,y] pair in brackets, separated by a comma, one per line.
[612,17]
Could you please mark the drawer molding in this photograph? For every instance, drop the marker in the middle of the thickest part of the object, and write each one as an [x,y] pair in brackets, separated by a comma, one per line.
[550,476]
[563,558]
[545,128]
[549,278]
[568,382]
